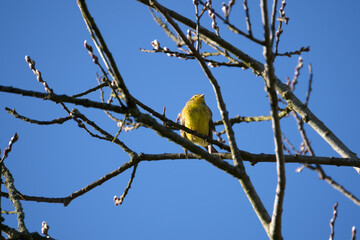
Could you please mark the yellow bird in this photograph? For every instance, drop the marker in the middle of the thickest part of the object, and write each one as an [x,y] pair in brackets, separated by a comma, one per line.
[197,116]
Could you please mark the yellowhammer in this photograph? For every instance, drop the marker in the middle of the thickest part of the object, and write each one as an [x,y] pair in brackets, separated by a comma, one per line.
[197,116]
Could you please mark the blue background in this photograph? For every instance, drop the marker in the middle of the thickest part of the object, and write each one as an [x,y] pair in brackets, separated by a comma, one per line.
[183,199]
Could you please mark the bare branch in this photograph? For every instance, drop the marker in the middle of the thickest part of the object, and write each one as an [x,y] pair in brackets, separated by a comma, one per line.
[280,30]
[9,148]
[107,137]
[41,80]
[24,197]
[165,28]
[332,222]
[318,168]
[294,81]
[233,27]
[353,233]
[29,120]
[239,119]
[13,234]
[104,51]
[90,90]
[119,201]
[297,52]
[63,98]
[274,231]
[290,144]
[186,56]
[9,183]
[246,156]
[248,22]
[100,181]
[309,88]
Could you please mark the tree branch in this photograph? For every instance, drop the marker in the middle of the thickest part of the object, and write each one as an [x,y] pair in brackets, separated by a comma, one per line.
[63,98]
[244,178]
[332,222]
[282,88]
[9,183]
[29,120]
[104,51]
[276,219]
[246,156]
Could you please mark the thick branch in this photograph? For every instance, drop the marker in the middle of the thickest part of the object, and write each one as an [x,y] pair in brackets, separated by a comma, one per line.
[9,183]
[13,234]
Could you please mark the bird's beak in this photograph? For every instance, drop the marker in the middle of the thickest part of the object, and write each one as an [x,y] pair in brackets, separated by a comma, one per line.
[202,95]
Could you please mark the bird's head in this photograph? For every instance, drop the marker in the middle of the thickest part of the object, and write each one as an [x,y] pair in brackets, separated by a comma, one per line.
[199,98]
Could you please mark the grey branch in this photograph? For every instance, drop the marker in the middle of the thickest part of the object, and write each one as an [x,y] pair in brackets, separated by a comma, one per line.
[13,196]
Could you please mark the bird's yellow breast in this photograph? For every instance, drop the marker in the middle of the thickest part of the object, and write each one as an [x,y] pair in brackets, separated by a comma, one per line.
[197,117]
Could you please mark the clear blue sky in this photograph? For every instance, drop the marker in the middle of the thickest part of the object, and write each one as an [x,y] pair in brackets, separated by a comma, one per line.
[183,199]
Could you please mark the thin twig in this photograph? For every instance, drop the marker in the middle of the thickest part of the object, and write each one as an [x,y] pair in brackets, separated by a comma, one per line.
[332,222]
[9,148]
[294,81]
[273,22]
[119,201]
[7,212]
[309,88]
[104,51]
[96,62]
[108,102]
[290,145]
[318,168]
[186,56]
[248,22]
[239,119]
[107,136]
[90,90]
[280,30]
[180,43]
[297,52]
[26,119]
[165,28]
[353,233]
[41,80]
[98,182]
[233,27]
[63,98]
[198,43]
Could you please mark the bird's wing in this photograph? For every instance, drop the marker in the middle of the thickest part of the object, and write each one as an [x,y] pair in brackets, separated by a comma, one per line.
[211,123]
[182,122]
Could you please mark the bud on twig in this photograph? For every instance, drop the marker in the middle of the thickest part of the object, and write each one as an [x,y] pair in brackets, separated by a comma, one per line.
[44,229]
[87,46]
[155,44]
